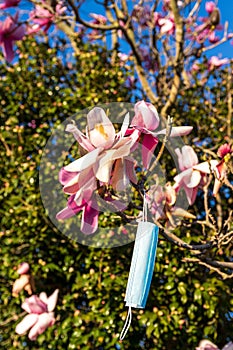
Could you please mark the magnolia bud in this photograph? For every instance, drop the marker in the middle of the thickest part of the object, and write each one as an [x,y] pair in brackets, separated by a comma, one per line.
[215,17]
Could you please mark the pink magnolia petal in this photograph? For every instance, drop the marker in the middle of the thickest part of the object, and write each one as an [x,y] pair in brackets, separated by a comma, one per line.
[27,322]
[194,179]
[66,213]
[52,300]
[180,130]
[90,215]
[180,159]
[73,205]
[80,137]
[221,169]
[207,345]
[66,176]
[105,162]
[83,162]
[183,213]
[120,181]
[100,129]
[166,25]
[34,305]
[189,157]
[228,346]
[130,169]
[8,51]
[206,167]
[149,144]
[210,6]
[217,185]
[224,150]
[122,145]
[20,284]
[104,166]
[44,321]
[18,33]
[184,176]
[80,181]
[23,268]
[43,297]
[170,194]
[86,191]
[146,115]
[124,126]
[176,131]
[191,194]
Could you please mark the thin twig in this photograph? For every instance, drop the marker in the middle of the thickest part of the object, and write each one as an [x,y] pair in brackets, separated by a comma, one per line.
[165,140]
[213,265]
[171,237]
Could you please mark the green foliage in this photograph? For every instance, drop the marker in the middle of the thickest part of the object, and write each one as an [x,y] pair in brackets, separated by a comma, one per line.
[185,303]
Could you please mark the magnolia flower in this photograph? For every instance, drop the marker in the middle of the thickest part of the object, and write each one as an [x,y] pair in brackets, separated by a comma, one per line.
[167,25]
[167,3]
[161,202]
[215,62]
[123,57]
[210,6]
[108,162]
[192,174]
[40,314]
[228,346]
[218,168]
[213,38]
[206,345]
[43,18]
[9,3]
[142,14]
[159,199]
[10,31]
[98,19]
[23,268]
[146,120]
[24,282]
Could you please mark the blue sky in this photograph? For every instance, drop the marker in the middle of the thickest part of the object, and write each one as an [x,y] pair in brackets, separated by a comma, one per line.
[226,9]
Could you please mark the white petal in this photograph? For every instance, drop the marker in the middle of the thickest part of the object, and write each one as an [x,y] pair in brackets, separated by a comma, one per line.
[83,162]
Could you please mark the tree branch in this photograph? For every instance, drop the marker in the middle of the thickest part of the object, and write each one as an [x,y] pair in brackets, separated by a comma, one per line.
[178,61]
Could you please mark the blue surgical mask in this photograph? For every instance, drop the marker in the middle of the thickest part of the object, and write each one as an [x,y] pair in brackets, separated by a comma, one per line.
[141,269]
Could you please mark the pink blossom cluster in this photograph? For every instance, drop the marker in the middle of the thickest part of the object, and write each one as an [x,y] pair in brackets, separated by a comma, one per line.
[11,30]
[208,345]
[108,163]
[39,308]
[40,314]
[206,30]
[24,282]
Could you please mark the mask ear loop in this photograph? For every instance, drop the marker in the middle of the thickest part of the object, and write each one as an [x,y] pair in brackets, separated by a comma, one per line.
[127,324]
[144,208]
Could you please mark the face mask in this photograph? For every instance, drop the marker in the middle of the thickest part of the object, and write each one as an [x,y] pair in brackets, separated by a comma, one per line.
[141,269]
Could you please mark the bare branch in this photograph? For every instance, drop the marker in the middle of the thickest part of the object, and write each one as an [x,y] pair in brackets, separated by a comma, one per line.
[229,103]
[213,265]
[171,237]
[178,61]
[88,24]
[166,137]
[223,40]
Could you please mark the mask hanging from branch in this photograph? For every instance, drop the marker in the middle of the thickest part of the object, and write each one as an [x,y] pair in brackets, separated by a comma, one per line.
[141,269]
